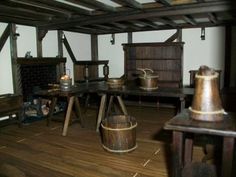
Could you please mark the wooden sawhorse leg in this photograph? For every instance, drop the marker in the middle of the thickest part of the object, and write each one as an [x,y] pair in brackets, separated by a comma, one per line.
[102,108]
[101,111]
[51,110]
[68,115]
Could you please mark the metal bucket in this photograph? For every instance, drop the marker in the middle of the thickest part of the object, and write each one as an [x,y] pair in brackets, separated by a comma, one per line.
[148,80]
[65,84]
[206,104]
[119,133]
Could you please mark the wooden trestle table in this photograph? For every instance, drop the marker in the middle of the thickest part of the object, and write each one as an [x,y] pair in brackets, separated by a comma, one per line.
[101,88]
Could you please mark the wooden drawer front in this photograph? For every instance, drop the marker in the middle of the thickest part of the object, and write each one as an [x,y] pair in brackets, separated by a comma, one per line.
[10,104]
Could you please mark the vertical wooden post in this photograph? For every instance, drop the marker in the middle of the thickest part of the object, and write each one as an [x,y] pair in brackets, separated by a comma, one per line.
[179,38]
[130,37]
[94,53]
[17,87]
[94,47]
[62,68]
[228,41]
[39,43]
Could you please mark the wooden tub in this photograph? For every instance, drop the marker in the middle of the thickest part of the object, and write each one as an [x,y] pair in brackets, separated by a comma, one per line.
[119,133]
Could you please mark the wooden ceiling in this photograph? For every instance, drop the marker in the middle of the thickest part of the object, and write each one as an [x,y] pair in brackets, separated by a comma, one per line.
[117,16]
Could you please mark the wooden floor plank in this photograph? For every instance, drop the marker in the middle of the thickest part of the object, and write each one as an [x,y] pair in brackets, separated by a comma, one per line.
[38,150]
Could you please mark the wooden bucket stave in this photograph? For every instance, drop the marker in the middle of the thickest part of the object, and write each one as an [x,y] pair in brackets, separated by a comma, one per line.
[119,133]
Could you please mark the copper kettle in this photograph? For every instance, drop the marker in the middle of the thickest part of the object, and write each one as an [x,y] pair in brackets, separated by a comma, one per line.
[206,104]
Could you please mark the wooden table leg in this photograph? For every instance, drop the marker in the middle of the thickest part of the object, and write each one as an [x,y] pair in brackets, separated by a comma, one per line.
[101,111]
[109,105]
[68,115]
[188,150]
[227,156]
[177,163]
[51,110]
[78,111]
[122,105]
[182,104]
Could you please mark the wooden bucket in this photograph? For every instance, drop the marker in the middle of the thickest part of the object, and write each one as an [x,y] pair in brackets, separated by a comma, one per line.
[119,133]
[206,104]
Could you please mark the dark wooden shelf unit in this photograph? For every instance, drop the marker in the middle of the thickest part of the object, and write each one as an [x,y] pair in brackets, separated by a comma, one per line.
[165,59]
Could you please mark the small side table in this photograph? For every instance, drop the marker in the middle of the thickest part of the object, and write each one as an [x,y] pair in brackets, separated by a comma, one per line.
[182,147]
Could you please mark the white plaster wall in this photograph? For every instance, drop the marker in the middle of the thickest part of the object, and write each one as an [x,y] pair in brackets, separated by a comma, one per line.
[199,52]
[49,44]
[152,36]
[196,52]
[80,45]
[113,53]
[26,41]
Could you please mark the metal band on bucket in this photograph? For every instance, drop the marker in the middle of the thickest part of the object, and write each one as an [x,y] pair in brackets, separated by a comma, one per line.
[119,129]
[120,151]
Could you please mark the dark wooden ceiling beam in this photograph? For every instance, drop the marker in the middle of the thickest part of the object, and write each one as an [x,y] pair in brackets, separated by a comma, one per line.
[32,6]
[129,3]
[67,7]
[39,7]
[94,4]
[189,19]
[119,25]
[17,20]
[212,17]
[209,7]
[24,13]
[200,0]
[148,28]
[165,2]
[166,20]
[146,23]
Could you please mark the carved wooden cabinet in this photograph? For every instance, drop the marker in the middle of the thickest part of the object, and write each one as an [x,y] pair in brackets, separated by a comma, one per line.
[166,59]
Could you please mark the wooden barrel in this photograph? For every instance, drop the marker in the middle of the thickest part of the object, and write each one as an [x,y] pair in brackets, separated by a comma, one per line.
[119,133]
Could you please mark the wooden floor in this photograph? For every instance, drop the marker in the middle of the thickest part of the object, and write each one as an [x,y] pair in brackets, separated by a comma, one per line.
[36,150]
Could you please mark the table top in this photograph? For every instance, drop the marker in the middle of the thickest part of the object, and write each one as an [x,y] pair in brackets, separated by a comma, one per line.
[183,122]
[129,89]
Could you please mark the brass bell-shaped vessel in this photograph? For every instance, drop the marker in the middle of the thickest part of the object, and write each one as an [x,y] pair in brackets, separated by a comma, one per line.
[206,104]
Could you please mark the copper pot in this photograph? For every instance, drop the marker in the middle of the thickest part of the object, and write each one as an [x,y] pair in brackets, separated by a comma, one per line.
[115,82]
[148,80]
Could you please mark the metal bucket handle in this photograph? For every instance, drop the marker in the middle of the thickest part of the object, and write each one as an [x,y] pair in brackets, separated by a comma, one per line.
[144,70]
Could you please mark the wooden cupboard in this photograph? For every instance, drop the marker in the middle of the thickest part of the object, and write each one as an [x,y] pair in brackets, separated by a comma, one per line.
[165,59]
